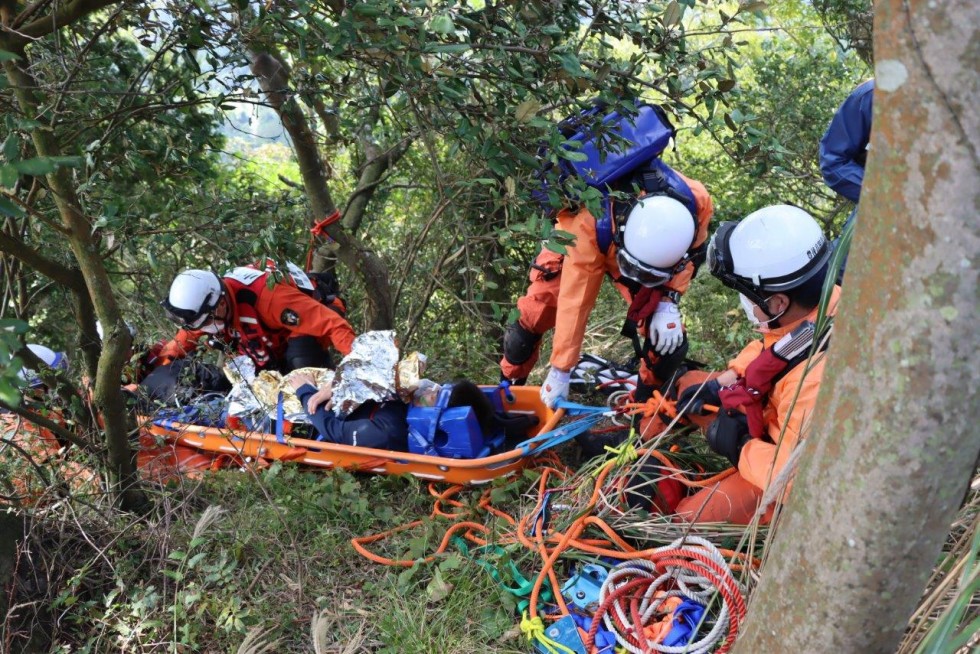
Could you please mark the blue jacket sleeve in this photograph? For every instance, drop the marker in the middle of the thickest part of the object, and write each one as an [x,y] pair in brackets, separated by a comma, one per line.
[844,145]
[382,426]
[327,423]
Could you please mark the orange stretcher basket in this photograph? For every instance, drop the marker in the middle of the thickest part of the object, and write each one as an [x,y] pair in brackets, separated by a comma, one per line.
[239,445]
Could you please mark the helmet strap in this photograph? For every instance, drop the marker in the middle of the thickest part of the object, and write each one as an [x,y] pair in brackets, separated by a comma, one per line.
[773,317]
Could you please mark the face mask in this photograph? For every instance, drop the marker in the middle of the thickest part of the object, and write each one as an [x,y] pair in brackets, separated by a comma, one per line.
[213,327]
[748,307]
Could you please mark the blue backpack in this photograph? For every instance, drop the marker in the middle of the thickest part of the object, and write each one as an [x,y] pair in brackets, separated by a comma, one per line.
[636,146]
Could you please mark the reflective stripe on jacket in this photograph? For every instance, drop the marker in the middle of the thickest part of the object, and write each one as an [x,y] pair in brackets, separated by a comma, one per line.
[761,460]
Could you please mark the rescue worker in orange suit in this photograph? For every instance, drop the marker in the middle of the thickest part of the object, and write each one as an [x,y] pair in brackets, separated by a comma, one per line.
[649,249]
[278,325]
[777,260]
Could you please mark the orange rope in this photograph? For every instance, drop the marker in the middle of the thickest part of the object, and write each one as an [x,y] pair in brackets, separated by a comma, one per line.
[531,531]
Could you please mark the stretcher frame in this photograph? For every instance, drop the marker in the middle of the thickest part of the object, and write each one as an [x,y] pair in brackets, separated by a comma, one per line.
[258,445]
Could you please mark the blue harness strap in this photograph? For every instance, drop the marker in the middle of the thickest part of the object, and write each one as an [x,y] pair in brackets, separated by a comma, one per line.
[561,434]
[658,178]
[280,419]
[575,409]
[677,188]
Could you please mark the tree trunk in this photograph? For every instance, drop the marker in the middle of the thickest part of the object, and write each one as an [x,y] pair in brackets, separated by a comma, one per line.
[894,443]
[273,77]
[107,395]
[11,533]
[372,174]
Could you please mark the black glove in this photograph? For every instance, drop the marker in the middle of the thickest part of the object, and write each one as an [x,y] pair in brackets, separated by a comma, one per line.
[727,434]
[696,396]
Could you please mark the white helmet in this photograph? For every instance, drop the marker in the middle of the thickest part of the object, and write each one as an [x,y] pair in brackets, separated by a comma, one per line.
[194,295]
[52,359]
[659,232]
[101,332]
[771,250]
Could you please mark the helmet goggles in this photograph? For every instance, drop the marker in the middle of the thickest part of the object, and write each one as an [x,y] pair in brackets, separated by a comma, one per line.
[191,318]
[645,274]
[720,265]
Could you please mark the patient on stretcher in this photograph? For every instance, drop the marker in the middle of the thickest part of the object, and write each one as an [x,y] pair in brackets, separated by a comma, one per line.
[390,425]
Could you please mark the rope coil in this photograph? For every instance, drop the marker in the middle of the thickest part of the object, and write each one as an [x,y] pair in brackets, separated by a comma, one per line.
[691,568]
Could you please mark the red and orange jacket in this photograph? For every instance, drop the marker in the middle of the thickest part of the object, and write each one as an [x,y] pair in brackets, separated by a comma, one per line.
[762,460]
[263,319]
[585,265]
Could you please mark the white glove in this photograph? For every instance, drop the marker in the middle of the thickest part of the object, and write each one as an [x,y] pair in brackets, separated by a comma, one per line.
[666,331]
[555,387]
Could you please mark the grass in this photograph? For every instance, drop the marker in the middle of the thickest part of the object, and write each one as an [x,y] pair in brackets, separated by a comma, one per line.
[239,561]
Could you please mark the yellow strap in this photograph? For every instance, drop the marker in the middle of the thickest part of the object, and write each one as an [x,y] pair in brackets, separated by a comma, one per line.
[625,453]
[534,630]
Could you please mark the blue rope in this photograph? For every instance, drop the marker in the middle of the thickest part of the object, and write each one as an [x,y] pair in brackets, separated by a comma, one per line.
[560,435]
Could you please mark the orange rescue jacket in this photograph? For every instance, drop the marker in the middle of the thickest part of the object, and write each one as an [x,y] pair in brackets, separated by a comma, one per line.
[264,318]
[762,460]
[585,265]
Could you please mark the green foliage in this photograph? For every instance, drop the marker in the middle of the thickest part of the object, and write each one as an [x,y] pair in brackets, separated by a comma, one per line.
[473,91]
[957,626]
[11,335]
[176,164]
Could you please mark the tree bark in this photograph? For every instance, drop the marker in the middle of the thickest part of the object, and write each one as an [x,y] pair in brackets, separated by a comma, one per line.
[895,443]
[273,77]
[48,267]
[378,163]
[74,282]
[12,525]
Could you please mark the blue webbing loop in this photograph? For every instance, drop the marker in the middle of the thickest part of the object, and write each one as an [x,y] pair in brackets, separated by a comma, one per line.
[280,419]
[560,435]
[575,409]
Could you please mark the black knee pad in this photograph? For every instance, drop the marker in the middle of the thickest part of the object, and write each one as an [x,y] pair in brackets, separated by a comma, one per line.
[519,343]
[305,352]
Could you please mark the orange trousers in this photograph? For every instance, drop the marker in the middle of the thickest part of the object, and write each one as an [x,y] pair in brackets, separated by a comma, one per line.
[538,308]
[733,500]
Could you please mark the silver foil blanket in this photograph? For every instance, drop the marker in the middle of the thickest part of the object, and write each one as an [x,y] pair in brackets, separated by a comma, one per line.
[258,394]
[367,373]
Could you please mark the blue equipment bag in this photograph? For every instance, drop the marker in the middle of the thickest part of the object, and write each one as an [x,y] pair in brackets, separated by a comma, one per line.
[615,147]
[609,151]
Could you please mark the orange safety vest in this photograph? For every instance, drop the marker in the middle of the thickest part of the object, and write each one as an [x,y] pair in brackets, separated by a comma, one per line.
[245,285]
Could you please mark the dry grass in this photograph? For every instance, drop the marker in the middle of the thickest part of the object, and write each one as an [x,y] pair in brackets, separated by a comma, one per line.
[957,571]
